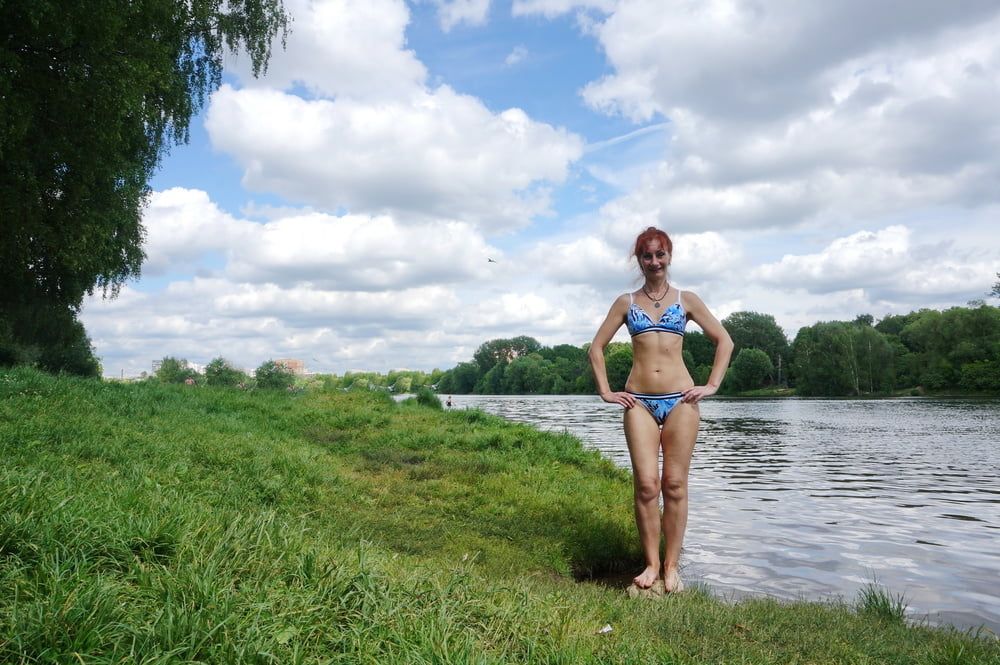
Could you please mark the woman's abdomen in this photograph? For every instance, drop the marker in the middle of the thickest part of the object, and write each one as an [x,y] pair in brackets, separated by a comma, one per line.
[658,367]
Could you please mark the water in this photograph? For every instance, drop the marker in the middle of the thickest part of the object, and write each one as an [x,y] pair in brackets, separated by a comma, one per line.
[813,499]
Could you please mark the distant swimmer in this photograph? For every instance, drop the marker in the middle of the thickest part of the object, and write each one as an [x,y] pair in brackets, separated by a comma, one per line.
[660,401]
[448,403]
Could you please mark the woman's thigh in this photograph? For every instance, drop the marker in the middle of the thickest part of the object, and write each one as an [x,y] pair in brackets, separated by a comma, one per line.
[643,438]
[680,431]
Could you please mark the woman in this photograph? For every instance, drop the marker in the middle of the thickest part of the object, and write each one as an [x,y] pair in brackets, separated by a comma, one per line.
[660,400]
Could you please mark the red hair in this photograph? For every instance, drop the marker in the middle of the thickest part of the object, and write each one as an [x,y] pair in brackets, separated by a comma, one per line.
[652,233]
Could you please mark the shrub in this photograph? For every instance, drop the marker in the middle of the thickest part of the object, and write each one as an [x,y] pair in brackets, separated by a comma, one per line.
[426,397]
[173,370]
[751,369]
[220,372]
[981,375]
[274,375]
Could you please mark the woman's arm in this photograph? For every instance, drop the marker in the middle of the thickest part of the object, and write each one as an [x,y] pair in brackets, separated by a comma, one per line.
[613,321]
[698,312]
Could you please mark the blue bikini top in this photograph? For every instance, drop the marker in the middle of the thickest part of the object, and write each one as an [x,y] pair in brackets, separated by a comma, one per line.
[673,319]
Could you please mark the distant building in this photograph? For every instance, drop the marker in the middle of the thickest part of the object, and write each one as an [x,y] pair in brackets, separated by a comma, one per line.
[293,365]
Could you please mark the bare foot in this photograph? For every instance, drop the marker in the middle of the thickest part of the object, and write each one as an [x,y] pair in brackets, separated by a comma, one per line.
[672,582]
[645,579]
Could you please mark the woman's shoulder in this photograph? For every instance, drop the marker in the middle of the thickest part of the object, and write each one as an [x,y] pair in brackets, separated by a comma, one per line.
[625,299]
[622,303]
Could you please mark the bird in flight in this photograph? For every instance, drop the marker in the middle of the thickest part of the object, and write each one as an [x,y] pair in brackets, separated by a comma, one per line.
[488,259]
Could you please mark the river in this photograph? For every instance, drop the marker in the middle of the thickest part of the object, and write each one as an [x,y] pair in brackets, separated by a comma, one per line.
[814,498]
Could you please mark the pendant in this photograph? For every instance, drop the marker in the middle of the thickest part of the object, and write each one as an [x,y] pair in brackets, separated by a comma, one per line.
[656,305]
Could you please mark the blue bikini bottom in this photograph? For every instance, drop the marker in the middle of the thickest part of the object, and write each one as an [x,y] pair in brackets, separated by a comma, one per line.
[659,406]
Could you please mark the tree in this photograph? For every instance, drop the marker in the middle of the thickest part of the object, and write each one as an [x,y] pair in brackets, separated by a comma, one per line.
[894,323]
[995,292]
[839,358]
[751,369]
[618,361]
[701,347]
[461,379]
[528,375]
[220,372]
[820,360]
[175,370]
[46,336]
[273,375]
[503,351]
[491,383]
[756,331]
[874,359]
[92,94]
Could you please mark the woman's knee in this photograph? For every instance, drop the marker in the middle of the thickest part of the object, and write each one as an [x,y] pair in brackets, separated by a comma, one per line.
[647,489]
[674,488]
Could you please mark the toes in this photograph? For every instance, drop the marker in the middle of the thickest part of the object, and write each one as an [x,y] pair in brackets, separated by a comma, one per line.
[673,583]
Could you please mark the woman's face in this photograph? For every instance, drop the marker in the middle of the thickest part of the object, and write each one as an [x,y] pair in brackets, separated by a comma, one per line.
[654,259]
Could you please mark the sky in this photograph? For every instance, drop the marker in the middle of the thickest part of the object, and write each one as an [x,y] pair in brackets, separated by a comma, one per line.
[411,179]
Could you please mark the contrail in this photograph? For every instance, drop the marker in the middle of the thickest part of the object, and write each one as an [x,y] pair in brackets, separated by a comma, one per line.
[600,145]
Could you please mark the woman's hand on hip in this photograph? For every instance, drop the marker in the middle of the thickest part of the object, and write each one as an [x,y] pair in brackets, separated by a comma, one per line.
[694,394]
[624,399]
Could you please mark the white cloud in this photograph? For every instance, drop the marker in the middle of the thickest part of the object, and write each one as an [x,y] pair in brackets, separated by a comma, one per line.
[453,12]
[607,265]
[553,8]
[354,252]
[517,55]
[704,257]
[743,59]
[350,48]
[438,155]
[781,118]
[374,138]
[846,263]
[182,226]
[359,253]
[883,265]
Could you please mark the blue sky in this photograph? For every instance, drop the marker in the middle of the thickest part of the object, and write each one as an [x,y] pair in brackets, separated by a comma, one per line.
[810,162]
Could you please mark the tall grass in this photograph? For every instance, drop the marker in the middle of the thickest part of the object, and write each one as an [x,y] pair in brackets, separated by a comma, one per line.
[877,602]
[153,524]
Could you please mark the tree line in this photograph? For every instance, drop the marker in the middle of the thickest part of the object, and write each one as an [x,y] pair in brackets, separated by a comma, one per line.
[957,350]
[273,374]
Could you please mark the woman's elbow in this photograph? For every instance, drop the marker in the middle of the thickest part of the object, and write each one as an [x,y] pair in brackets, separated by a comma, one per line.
[594,353]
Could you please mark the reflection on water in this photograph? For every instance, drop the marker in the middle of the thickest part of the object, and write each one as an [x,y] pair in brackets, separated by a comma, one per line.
[814,498]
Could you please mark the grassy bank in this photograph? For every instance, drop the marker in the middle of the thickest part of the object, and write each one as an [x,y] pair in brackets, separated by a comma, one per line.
[145,523]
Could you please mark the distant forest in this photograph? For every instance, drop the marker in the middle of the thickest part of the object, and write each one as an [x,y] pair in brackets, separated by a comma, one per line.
[957,350]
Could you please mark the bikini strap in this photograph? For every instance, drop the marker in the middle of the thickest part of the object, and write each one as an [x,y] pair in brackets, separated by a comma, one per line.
[631,300]
[679,298]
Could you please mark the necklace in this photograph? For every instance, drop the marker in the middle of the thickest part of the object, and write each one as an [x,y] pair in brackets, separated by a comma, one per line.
[656,300]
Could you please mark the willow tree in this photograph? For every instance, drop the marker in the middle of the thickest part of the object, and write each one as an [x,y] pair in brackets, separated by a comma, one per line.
[92,95]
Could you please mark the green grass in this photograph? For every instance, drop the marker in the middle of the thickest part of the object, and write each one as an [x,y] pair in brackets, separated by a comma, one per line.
[146,523]
[880,604]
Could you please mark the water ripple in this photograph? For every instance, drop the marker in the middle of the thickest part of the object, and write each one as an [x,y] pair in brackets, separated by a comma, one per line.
[814,498]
